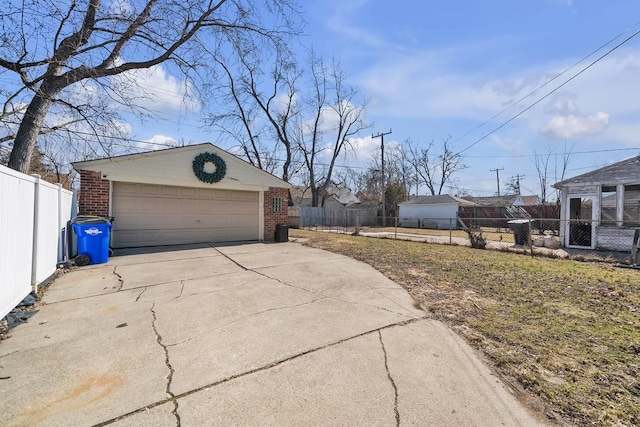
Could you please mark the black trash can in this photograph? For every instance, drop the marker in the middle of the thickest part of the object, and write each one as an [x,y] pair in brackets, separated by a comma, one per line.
[520,228]
[282,233]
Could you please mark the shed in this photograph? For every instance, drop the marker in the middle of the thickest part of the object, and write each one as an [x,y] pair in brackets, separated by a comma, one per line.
[601,209]
[439,211]
[193,194]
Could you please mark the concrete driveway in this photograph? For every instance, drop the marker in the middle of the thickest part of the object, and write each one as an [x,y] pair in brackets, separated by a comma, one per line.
[252,334]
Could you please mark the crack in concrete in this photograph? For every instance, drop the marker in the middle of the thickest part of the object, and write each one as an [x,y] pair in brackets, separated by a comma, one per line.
[167,363]
[119,278]
[244,318]
[376,290]
[393,383]
[271,365]
[225,289]
[140,295]
[320,293]
[9,354]
[181,289]
[325,296]
[125,264]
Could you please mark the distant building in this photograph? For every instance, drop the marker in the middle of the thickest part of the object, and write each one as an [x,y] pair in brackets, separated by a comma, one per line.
[332,197]
[436,212]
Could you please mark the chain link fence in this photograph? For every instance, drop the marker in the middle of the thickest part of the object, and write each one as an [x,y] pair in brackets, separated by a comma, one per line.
[535,235]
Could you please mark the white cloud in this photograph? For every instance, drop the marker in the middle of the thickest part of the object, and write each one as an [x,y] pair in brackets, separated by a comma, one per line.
[121,8]
[562,103]
[341,24]
[365,150]
[157,90]
[157,142]
[574,127]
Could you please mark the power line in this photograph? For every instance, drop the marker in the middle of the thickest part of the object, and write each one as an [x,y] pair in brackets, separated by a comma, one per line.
[513,156]
[546,83]
[550,93]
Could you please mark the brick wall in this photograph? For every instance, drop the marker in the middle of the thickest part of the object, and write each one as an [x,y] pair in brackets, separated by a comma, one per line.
[271,218]
[94,194]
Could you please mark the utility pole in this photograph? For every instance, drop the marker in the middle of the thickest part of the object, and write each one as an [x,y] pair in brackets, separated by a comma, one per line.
[381,135]
[517,178]
[497,171]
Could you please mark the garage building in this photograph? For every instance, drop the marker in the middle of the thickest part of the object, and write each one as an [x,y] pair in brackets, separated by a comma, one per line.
[193,194]
[437,212]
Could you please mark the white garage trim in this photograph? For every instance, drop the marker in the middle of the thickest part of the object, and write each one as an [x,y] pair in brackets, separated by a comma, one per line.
[261,214]
[154,215]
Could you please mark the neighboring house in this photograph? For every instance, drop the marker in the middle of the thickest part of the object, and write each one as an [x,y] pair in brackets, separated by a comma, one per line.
[601,208]
[341,208]
[431,211]
[193,194]
[334,197]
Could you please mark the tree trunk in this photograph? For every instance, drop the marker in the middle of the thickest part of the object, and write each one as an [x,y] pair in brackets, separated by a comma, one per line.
[26,138]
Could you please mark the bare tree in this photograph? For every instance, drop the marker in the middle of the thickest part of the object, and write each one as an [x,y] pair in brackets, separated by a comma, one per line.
[240,112]
[259,106]
[50,47]
[399,167]
[309,132]
[369,185]
[545,170]
[310,112]
[333,116]
[348,112]
[434,171]
[280,112]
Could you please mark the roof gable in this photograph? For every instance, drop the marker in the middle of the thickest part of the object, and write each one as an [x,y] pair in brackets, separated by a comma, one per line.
[173,166]
[626,171]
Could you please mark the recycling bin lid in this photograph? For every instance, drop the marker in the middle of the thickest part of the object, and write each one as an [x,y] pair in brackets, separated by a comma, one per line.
[519,221]
[90,219]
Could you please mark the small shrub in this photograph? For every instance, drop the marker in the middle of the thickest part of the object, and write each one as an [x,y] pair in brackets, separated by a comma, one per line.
[476,238]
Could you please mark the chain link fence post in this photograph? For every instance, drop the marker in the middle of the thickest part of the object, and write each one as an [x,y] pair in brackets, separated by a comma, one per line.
[396,228]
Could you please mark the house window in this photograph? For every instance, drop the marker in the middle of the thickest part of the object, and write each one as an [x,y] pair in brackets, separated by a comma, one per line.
[608,205]
[277,204]
[631,211]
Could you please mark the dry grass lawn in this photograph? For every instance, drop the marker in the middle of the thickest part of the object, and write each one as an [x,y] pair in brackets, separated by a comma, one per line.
[568,332]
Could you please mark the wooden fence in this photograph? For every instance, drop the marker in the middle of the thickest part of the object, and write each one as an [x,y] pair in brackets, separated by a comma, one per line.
[331,217]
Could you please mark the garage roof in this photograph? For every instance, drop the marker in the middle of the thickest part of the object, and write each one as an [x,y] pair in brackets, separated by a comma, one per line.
[438,199]
[173,166]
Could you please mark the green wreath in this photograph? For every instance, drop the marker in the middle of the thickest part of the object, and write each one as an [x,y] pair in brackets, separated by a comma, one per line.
[198,167]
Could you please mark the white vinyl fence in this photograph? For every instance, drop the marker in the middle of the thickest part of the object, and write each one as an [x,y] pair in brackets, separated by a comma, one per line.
[33,219]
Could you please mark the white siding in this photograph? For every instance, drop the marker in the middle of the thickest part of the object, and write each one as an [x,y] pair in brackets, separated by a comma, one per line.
[442,215]
[448,210]
[582,189]
[174,167]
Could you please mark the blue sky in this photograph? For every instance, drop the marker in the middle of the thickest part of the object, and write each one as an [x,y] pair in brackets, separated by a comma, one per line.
[437,69]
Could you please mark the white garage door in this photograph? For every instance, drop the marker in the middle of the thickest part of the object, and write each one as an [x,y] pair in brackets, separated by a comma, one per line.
[152,215]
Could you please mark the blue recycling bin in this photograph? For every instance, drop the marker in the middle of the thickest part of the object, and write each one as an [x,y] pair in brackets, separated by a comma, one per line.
[93,239]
